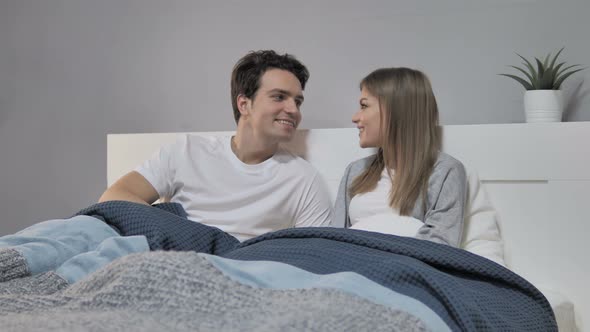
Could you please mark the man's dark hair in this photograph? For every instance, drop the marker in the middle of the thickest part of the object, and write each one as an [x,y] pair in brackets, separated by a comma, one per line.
[246,75]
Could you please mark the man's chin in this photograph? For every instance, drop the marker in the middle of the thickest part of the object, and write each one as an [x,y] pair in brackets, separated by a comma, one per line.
[286,137]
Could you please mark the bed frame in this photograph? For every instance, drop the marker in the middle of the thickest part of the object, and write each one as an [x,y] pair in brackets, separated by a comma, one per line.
[537,177]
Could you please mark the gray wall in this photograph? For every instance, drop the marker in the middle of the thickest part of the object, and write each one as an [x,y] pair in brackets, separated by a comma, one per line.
[72,71]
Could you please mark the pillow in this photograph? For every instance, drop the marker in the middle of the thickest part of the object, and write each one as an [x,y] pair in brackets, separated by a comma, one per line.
[481,234]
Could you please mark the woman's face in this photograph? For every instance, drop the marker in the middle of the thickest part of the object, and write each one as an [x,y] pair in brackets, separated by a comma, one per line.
[368,120]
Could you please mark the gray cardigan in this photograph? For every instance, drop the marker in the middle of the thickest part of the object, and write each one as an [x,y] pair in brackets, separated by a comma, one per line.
[446,200]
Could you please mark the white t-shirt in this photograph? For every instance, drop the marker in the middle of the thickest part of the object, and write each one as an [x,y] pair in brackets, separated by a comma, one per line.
[217,189]
[371,212]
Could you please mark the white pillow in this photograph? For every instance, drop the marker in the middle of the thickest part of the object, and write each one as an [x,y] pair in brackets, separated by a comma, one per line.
[481,234]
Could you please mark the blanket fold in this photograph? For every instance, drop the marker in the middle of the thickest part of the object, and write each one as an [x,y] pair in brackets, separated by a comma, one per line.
[164,225]
[12,265]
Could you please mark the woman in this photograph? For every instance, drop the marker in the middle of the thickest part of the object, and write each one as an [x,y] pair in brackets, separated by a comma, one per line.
[409,187]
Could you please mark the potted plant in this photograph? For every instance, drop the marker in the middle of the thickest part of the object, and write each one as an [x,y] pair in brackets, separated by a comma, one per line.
[543,99]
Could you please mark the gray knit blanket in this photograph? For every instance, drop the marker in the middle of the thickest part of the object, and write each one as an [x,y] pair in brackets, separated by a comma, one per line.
[182,291]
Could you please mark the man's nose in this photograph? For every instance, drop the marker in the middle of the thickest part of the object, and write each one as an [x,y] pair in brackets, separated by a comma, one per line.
[292,106]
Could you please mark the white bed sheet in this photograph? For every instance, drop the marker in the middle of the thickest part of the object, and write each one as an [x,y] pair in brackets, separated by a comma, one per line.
[563,309]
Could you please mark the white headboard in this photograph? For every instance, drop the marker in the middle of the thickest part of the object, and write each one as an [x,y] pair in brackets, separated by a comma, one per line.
[537,177]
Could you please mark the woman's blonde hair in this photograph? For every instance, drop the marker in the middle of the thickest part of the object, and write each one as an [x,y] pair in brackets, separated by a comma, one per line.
[410,136]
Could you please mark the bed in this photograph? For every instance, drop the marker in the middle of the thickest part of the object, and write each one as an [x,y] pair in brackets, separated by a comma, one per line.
[336,279]
[535,181]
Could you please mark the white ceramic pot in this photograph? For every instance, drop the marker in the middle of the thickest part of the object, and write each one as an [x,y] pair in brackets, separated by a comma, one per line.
[543,105]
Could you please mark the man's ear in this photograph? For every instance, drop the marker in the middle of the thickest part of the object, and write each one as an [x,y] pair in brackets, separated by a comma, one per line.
[244,104]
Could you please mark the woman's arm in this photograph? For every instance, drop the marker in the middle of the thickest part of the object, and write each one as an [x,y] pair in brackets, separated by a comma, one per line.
[445,217]
[341,202]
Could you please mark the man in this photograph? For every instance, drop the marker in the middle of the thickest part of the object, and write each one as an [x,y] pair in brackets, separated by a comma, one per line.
[244,185]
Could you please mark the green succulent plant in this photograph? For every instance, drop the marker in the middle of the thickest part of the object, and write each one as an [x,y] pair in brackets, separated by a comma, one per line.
[547,76]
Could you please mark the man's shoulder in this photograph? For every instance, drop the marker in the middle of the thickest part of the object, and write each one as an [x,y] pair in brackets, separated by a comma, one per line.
[188,148]
[193,143]
[291,162]
[205,140]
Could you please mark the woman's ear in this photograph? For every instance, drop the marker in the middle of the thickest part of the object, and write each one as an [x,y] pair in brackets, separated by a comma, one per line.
[243,103]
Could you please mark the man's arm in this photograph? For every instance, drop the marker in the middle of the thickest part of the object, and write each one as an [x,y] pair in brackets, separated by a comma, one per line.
[132,187]
[317,209]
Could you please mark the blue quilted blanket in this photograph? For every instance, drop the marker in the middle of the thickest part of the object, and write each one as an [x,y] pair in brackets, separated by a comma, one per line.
[165,226]
[468,292]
